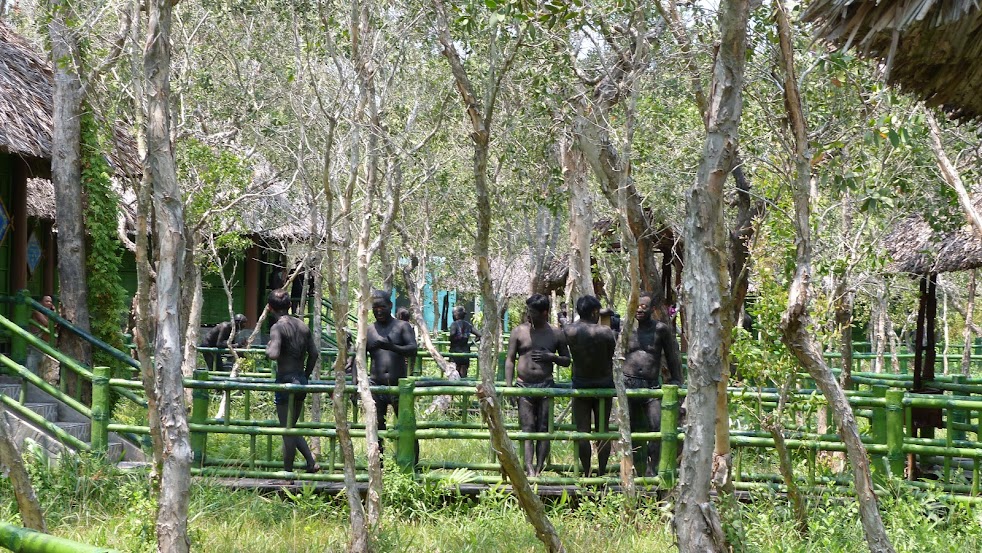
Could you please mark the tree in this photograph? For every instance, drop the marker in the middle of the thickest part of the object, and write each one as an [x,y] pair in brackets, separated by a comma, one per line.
[696,522]
[795,322]
[480,112]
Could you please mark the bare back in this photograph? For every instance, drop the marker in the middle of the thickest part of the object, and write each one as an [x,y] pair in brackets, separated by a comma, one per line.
[592,347]
[292,346]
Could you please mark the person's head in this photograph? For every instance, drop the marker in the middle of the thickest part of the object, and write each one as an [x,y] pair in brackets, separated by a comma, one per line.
[47,302]
[459,313]
[646,306]
[538,309]
[381,306]
[402,314]
[588,308]
[279,301]
[240,321]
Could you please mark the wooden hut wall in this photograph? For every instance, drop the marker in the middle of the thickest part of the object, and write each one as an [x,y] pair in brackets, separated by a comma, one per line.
[8,172]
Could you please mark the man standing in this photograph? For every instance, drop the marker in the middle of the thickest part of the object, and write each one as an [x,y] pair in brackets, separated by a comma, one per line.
[390,343]
[592,346]
[460,339]
[642,369]
[292,346]
[537,345]
[217,337]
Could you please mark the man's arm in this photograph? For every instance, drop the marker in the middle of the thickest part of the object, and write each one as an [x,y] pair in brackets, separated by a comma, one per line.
[672,356]
[312,355]
[562,357]
[407,341]
[274,344]
[510,359]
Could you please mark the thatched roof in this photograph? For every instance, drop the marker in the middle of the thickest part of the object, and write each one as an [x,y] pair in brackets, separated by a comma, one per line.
[41,199]
[919,249]
[932,48]
[26,107]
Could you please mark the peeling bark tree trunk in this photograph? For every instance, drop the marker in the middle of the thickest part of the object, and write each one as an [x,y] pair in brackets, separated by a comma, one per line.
[795,321]
[950,174]
[337,285]
[574,167]
[481,115]
[144,332]
[66,176]
[172,503]
[696,522]
[969,314]
[844,298]
[12,464]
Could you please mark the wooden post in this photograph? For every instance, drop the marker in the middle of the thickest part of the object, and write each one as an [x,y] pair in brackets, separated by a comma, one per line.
[199,414]
[50,261]
[406,447]
[99,437]
[252,285]
[669,435]
[18,227]
[895,432]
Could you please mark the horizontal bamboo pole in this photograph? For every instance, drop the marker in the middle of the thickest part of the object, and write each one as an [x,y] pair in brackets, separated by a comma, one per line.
[59,432]
[27,375]
[23,540]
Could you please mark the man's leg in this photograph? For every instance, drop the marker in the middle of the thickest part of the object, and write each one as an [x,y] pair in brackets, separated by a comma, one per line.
[381,408]
[654,446]
[527,420]
[301,442]
[542,425]
[289,442]
[462,369]
[603,448]
[582,408]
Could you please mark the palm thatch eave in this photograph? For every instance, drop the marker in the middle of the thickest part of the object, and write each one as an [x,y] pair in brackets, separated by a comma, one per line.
[931,48]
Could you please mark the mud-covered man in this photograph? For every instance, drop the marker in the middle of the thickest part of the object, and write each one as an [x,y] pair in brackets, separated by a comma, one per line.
[218,337]
[537,346]
[391,342]
[461,331]
[652,341]
[592,347]
[291,345]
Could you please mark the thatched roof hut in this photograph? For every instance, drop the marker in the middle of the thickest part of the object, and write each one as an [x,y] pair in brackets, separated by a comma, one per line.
[931,48]
[26,107]
[919,249]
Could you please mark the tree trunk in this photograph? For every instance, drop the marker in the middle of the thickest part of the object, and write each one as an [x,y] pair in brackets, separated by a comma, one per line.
[944,326]
[795,322]
[12,464]
[172,503]
[144,334]
[337,285]
[844,297]
[969,314]
[574,167]
[950,174]
[66,176]
[481,115]
[697,525]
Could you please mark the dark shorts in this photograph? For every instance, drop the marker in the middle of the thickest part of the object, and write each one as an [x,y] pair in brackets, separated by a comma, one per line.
[537,385]
[282,398]
[640,383]
[603,382]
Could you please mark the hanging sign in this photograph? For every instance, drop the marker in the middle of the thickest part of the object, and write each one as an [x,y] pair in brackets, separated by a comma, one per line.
[34,252]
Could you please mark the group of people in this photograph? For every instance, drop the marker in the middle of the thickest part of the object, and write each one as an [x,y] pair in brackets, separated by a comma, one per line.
[534,349]
[589,346]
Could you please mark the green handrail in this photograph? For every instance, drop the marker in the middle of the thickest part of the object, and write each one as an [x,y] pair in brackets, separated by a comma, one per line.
[65,360]
[23,540]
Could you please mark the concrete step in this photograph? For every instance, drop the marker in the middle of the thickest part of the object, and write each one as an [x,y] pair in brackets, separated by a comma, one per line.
[80,430]
[47,410]
[115,451]
[10,389]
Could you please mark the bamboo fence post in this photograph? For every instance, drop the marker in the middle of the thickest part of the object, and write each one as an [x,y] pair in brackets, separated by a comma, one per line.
[669,435]
[879,426]
[895,432]
[99,430]
[199,414]
[958,416]
[406,447]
